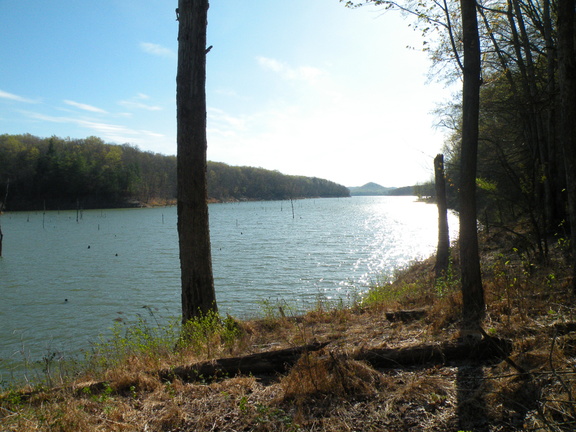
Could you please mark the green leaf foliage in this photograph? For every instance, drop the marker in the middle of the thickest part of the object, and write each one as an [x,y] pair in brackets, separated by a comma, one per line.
[56,173]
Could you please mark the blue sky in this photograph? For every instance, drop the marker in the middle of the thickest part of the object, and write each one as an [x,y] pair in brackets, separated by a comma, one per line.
[303,87]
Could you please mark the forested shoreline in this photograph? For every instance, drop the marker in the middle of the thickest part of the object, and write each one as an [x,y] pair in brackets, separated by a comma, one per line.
[63,173]
[524,171]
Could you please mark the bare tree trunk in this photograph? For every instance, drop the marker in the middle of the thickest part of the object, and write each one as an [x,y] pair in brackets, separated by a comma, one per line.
[198,296]
[472,290]
[567,105]
[443,250]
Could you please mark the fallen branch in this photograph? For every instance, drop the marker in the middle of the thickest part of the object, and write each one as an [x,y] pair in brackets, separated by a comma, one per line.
[275,362]
[483,350]
[265,363]
[406,315]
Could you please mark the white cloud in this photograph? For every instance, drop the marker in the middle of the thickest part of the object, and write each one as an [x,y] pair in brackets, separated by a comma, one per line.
[152,134]
[108,131]
[308,74]
[11,96]
[157,50]
[136,103]
[43,117]
[226,92]
[271,64]
[139,105]
[224,120]
[85,107]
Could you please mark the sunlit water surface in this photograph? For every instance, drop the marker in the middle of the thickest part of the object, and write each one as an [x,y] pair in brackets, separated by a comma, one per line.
[65,280]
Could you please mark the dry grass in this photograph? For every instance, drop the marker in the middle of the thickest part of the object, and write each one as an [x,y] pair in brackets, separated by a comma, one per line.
[328,390]
[325,373]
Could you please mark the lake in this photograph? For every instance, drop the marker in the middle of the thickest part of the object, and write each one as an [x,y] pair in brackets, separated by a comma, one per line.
[67,277]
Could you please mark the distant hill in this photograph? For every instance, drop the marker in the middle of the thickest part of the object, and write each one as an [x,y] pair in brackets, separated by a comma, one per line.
[374,189]
[404,191]
[56,173]
[370,189]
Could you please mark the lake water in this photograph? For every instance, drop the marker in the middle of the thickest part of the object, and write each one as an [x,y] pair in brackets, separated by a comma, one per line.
[65,280]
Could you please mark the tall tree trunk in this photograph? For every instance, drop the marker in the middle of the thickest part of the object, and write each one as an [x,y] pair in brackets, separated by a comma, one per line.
[198,296]
[472,290]
[443,250]
[557,207]
[567,105]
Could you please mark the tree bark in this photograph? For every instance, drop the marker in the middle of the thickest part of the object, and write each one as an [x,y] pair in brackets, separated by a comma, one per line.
[472,290]
[443,249]
[567,108]
[198,295]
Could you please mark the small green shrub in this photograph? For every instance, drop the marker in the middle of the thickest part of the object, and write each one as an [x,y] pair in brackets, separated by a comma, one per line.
[276,309]
[388,294]
[139,338]
[448,283]
[208,332]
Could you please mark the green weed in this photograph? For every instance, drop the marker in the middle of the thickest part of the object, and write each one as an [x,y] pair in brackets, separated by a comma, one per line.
[276,309]
[386,294]
[134,339]
[12,398]
[206,333]
[103,396]
[448,283]
[263,414]
[243,404]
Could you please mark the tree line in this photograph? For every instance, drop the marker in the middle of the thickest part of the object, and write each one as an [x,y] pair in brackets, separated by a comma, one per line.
[524,169]
[511,157]
[60,173]
[525,174]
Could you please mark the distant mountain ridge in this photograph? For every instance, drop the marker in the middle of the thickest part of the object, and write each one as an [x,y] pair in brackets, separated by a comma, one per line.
[374,189]
[55,173]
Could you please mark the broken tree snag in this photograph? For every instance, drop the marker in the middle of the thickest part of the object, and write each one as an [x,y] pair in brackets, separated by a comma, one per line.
[265,363]
[484,350]
[443,249]
[406,315]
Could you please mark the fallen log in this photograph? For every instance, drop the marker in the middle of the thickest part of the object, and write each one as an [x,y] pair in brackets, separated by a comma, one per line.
[265,363]
[405,315]
[277,362]
[484,350]
[280,361]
